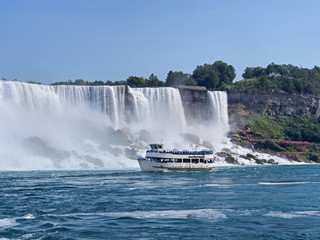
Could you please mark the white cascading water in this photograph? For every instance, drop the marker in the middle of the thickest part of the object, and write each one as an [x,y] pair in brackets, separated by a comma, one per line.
[159,111]
[218,108]
[93,127]
[105,99]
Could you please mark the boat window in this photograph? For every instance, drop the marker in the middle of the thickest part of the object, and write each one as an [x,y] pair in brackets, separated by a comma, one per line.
[178,160]
[194,160]
[186,160]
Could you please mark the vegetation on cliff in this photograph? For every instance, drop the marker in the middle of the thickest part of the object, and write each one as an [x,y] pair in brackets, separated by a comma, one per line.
[216,76]
[275,77]
[296,136]
[220,76]
[132,81]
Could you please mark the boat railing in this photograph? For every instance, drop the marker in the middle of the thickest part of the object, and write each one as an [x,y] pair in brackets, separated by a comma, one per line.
[183,152]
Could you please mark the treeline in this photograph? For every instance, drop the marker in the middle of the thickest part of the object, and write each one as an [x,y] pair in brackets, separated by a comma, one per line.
[275,77]
[220,76]
[132,81]
[216,76]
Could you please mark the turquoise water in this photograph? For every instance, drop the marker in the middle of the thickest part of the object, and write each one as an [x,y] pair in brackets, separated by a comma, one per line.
[274,202]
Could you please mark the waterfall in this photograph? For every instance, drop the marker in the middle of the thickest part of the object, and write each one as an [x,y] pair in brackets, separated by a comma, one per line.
[106,99]
[32,96]
[159,104]
[218,108]
[94,127]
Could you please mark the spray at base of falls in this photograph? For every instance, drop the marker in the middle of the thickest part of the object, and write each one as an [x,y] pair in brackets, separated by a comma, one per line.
[98,127]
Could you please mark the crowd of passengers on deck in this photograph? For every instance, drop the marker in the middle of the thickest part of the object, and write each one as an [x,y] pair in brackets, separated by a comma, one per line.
[181,160]
[183,152]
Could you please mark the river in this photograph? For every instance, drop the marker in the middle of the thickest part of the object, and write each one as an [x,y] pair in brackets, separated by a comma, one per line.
[252,202]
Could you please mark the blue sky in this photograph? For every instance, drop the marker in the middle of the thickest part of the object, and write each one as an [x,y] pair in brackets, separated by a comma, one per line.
[56,40]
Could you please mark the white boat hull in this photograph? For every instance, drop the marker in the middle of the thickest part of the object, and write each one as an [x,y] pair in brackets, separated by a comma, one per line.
[147,165]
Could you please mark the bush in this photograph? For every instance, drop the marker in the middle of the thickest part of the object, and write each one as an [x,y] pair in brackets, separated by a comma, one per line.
[314,158]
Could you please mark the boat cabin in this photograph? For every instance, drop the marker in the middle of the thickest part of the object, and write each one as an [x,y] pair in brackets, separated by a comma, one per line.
[156,146]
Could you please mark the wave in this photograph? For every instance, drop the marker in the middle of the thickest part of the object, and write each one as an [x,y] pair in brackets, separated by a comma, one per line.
[282,183]
[295,214]
[211,214]
[10,222]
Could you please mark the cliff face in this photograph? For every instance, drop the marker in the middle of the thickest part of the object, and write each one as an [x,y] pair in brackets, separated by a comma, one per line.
[195,103]
[240,105]
[269,103]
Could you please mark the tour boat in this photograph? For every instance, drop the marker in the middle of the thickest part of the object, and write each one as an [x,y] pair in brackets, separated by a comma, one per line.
[158,159]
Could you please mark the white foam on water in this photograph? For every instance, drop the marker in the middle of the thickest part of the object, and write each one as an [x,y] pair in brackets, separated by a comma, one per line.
[211,214]
[218,185]
[178,214]
[295,214]
[28,216]
[26,236]
[10,222]
[282,183]
[7,222]
[309,213]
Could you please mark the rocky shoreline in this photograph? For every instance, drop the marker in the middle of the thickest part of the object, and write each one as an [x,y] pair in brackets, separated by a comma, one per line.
[291,150]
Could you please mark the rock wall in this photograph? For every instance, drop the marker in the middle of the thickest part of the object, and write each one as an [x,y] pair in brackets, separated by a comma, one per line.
[241,105]
[195,103]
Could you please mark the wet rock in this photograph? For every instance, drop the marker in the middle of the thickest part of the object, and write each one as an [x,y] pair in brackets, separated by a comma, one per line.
[131,153]
[104,147]
[251,156]
[272,161]
[145,136]
[194,104]
[139,145]
[261,161]
[116,151]
[314,158]
[227,150]
[230,159]
[191,138]
[208,144]
[112,150]
[38,147]
[222,154]
[95,161]
[245,157]
[121,137]
[83,165]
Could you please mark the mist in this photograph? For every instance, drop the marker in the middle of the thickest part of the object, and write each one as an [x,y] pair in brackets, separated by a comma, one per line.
[81,127]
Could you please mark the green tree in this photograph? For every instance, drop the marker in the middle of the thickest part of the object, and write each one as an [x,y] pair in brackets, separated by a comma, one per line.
[97,83]
[134,81]
[226,73]
[265,82]
[174,79]
[253,72]
[79,82]
[214,76]
[153,81]
[206,75]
